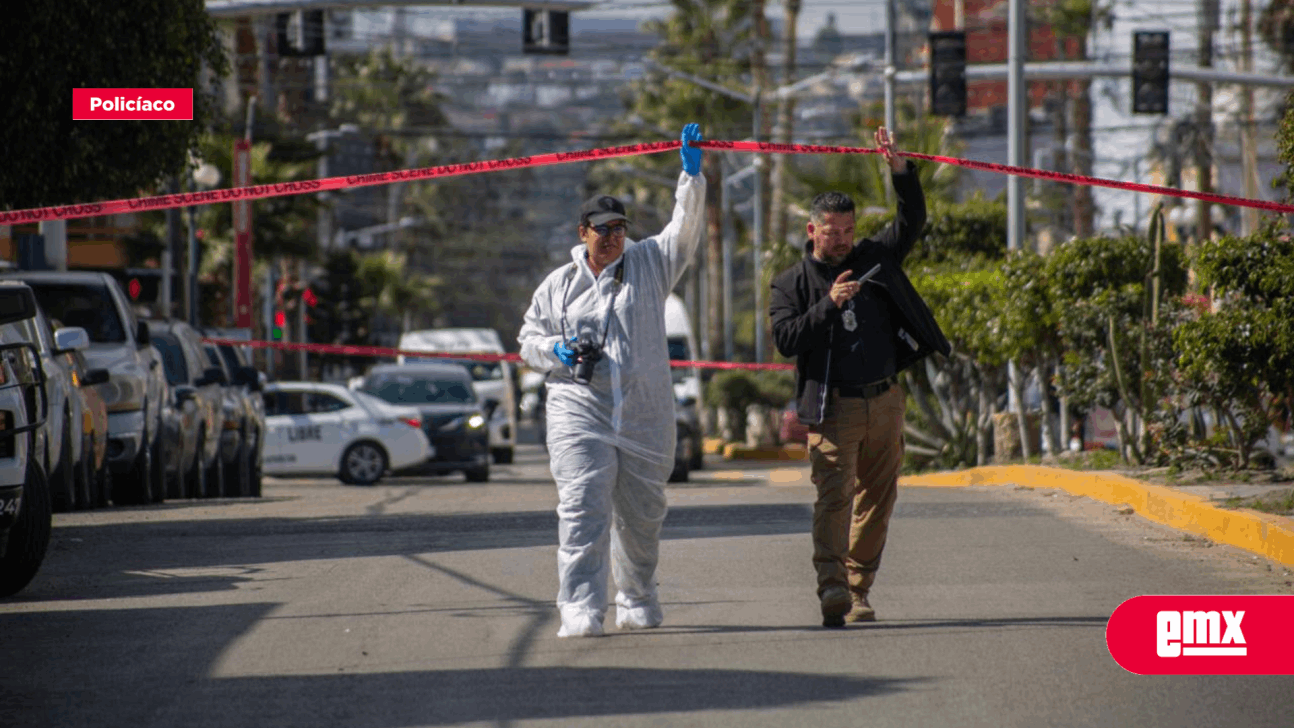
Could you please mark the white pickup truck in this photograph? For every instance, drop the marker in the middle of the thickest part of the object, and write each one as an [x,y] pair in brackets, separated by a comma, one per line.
[119,343]
[25,510]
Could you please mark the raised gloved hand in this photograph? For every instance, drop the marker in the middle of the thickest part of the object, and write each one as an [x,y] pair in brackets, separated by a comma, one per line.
[564,352]
[691,155]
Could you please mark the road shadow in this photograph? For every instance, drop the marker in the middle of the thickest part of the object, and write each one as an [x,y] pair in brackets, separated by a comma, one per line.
[154,667]
[137,558]
[906,625]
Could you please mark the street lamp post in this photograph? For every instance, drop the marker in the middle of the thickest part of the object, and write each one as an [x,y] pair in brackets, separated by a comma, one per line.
[205,177]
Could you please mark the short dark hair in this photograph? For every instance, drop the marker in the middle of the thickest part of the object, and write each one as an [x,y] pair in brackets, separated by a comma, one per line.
[828,202]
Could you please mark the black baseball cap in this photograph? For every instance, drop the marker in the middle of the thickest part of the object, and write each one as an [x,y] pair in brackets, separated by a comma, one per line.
[602,209]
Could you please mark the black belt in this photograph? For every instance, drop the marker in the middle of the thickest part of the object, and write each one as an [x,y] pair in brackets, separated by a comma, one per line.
[866,391]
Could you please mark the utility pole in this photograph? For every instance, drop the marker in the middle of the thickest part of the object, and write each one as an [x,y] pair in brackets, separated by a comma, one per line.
[890,68]
[1204,120]
[1017,112]
[890,71]
[1248,142]
[170,253]
[782,133]
[758,242]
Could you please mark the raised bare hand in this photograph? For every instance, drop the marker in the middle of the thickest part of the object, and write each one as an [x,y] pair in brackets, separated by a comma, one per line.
[843,289]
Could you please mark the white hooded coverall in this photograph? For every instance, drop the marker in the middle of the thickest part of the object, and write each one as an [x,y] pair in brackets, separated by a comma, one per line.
[611,442]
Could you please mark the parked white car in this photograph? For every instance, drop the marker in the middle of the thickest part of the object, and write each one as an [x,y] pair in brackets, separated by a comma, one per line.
[325,429]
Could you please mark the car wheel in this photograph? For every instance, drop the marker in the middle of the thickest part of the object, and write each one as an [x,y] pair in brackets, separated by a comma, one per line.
[157,489]
[103,487]
[214,476]
[680,472]
[477,475]
[62,484]
[29,536]
[236,476]
[197,476]
[133,488]
[254,470]
[502,455]
[175,484]
[85,483]
[362,464]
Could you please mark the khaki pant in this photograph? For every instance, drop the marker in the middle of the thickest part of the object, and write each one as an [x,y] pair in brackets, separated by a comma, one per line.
[856,454]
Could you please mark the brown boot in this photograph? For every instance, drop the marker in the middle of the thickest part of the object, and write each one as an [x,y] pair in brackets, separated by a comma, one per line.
[861,610]
[835,605]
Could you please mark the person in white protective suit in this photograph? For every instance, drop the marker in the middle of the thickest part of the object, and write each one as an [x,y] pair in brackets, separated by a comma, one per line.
[597,327]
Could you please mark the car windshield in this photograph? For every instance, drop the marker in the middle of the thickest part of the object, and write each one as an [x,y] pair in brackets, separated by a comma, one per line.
[88,306]
[177,370]
[230,356]
[402,388]
[481,371]
[678,351]
[213,356]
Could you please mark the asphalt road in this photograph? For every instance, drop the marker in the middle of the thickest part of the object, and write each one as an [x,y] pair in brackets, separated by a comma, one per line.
[428,602]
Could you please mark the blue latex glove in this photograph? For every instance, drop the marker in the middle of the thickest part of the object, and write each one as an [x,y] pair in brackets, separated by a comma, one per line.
[565,353]
[691,155]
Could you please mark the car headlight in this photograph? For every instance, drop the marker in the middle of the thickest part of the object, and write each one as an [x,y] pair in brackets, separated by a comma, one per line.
[123,393]
[476,422]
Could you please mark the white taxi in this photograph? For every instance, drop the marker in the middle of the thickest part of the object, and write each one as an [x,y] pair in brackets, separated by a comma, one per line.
[313,428]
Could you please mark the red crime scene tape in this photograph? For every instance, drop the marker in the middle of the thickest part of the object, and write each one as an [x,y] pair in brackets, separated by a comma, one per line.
[256,192]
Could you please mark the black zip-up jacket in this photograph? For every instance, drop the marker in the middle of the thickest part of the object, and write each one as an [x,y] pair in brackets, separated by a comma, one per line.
[803,315]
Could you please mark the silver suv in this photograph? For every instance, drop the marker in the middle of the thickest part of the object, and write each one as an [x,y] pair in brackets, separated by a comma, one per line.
[119,343]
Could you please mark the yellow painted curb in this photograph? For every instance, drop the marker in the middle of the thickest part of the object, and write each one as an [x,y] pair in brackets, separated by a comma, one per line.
[734,451]
[712,445]
[1260,533]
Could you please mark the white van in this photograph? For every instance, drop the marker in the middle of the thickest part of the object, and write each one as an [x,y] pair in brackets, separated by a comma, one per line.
[492,380]
[682,347]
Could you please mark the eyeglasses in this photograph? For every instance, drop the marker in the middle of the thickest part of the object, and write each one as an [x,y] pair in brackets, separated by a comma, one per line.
[605,230]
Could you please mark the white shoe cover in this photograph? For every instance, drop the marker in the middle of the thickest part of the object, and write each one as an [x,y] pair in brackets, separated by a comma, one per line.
[581,625]
[646,616]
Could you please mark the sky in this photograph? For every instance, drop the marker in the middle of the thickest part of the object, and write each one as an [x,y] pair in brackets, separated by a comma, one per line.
[852,16]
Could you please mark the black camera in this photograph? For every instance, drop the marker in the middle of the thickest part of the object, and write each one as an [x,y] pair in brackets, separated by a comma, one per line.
[587,355]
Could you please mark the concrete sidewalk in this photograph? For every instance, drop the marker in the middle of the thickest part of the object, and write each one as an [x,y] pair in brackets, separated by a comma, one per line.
[1193,509]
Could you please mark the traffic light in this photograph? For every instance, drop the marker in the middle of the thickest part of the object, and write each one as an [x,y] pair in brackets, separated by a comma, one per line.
[1150,72]
[280,320]
[948,73]
[545,31]
[300,33]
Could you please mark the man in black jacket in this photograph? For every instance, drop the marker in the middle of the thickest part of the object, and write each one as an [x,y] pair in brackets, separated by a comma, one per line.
[851,338]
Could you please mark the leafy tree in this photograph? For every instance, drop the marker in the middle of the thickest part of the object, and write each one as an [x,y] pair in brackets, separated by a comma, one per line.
[710,39]
[1285,149]
[56,45]
[865,178]
[956,268]
[1276,26]
[1239,360]
[1073,22]
[954,398]
[1099,289]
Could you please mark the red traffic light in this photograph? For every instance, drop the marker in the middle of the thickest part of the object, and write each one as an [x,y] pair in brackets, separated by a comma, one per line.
[309,297]
[133,288]
[280,319]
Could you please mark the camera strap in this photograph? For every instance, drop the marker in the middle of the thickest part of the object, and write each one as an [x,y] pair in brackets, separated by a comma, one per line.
[606,324]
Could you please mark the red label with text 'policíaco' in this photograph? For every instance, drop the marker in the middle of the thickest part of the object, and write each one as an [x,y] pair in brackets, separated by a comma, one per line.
[1203,635]
[132,104]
